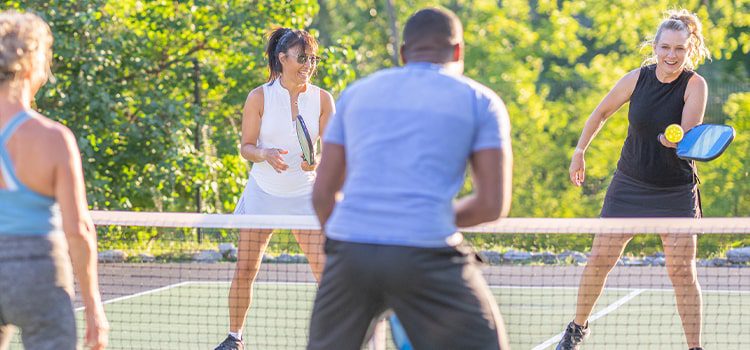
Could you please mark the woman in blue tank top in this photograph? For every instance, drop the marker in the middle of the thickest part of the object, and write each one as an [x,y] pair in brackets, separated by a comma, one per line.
[46,234]
[650,180]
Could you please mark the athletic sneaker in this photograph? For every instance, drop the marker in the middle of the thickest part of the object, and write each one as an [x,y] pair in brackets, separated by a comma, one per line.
[231,343]
[573,337]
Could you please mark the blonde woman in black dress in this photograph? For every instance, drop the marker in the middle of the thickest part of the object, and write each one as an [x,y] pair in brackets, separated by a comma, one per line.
[650,181]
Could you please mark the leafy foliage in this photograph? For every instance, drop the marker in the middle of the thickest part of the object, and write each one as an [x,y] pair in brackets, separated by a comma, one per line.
[127,75]
[128,71]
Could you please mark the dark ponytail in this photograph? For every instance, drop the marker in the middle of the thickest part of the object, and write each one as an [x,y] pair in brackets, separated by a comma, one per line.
[274,65]
[281,40]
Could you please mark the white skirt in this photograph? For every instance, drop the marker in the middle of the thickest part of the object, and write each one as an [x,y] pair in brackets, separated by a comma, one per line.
[255,201]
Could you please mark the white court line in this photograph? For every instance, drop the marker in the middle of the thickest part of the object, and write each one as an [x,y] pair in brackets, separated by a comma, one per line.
[594,317]
[621,289]
[259,282]
[717,291]
[185,283]
[126,297]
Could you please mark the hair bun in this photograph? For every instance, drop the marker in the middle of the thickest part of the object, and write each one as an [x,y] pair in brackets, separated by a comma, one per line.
[684,20]
[22,36]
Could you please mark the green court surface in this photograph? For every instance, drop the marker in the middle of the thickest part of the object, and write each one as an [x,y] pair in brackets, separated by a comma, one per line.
[193,315]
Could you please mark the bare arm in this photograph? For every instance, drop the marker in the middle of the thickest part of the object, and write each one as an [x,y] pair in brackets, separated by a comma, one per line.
[327,108]
[251,118]
[492,173]
[618,96]
[81,235]
[330,179]
[696,97]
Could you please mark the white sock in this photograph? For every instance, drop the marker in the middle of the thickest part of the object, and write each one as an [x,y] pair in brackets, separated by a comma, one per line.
[237,335]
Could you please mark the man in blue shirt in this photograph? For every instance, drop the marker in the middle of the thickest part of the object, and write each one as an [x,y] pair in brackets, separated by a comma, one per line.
[398,145]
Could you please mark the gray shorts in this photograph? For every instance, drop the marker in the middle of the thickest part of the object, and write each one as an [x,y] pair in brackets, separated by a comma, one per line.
[36,288]
[438,294]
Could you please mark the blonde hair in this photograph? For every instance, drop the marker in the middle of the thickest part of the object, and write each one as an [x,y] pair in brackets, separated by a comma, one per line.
[687,22]
[22,37]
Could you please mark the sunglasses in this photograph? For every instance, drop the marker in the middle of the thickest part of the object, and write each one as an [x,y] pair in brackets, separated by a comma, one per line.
[302,59]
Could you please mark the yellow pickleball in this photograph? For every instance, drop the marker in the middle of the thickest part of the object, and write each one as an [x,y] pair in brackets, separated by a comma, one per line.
[674,133]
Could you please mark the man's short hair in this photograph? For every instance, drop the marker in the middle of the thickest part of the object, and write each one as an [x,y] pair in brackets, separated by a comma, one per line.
[432,29]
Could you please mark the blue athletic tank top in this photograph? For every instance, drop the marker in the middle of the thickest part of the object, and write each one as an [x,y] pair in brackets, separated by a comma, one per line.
[23,212]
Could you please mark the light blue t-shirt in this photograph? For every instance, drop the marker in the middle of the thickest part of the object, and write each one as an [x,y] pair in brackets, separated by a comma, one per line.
[408,133]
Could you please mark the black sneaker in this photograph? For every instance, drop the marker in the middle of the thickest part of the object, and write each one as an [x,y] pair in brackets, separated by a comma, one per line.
[231,343]
[573,337]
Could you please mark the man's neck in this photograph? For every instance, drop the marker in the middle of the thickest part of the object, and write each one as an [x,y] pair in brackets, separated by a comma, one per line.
[455,68]
[425,58]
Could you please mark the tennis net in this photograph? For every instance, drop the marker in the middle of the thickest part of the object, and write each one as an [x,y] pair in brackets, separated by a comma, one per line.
[165,289]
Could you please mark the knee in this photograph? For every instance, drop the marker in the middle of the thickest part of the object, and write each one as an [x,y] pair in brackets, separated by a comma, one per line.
[245,271]
[682,273]
[602,262]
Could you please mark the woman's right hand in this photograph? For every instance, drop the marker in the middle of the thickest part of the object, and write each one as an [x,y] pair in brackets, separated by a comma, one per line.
[577,168]
[273,157]
[97,328]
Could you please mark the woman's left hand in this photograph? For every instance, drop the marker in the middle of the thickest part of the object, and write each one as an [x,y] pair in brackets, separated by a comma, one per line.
[307,167]
[665,142]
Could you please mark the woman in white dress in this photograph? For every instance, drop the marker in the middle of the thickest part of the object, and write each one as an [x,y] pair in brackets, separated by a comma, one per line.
[280,181]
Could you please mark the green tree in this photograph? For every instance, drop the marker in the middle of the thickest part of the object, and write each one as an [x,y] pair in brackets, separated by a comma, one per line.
[726,180]
[552,62]
[154,90]
[126,78]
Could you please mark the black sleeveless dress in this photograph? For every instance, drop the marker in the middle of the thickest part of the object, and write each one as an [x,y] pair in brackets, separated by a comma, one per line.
[650,180]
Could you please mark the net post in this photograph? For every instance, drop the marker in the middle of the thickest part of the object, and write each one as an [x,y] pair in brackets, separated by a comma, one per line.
[197,134]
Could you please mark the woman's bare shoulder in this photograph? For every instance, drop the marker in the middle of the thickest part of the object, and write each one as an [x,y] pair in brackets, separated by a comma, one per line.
[51,134]
[254,101]
[255,96]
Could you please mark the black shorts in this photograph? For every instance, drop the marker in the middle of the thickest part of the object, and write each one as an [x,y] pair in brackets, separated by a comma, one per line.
[438,294]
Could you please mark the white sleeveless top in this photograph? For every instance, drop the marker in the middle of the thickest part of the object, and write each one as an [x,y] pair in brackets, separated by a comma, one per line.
[277,131]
